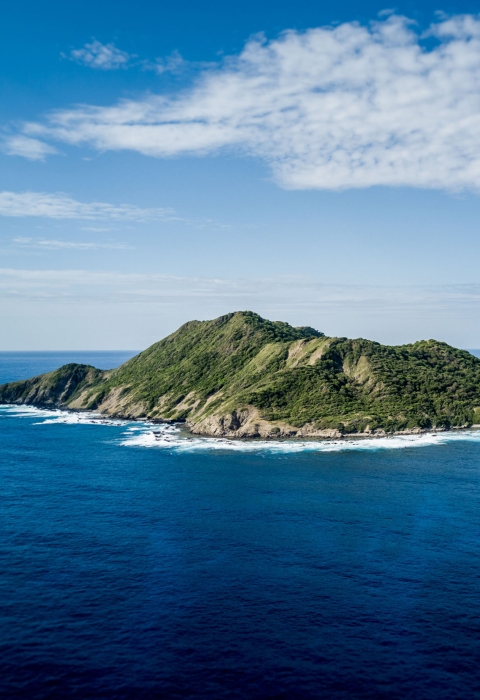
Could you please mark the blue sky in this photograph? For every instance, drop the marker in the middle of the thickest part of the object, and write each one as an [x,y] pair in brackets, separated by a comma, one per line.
[163,162]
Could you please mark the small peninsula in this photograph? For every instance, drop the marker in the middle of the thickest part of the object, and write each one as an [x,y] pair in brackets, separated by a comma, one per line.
[242,376]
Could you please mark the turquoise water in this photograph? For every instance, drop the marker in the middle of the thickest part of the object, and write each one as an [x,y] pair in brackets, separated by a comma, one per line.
[138,563]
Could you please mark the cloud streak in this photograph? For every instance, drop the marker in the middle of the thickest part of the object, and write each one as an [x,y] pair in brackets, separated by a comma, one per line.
[156,304]
[68,245]
[290,292]
[27,147]
[329,108]
[61,206]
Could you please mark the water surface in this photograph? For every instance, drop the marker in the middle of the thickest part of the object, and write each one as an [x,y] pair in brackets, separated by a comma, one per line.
[15,366]
[137,566]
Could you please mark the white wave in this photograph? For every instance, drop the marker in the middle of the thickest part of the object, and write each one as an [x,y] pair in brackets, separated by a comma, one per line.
[58,416]
[170,437]
[14,410]
[146,434]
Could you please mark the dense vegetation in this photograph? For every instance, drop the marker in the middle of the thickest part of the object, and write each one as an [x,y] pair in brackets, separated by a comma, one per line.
[425,384]
[205,357]
[292,377]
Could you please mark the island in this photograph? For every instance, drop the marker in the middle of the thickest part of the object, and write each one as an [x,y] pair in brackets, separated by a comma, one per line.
[243,376]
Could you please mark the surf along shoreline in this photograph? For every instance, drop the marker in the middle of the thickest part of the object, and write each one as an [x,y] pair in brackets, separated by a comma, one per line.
[294,436]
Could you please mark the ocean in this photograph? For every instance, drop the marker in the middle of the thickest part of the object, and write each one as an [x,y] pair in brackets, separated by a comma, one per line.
[138,562]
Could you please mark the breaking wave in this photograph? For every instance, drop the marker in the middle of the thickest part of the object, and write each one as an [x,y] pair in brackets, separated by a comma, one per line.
[149,435]
[171,438]
[49,416]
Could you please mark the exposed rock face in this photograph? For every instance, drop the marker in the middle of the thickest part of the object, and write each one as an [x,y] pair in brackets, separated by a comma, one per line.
[243,376]
[249,424]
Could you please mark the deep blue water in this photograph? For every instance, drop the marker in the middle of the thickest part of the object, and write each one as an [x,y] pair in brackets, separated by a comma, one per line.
[180,571]
[23,365]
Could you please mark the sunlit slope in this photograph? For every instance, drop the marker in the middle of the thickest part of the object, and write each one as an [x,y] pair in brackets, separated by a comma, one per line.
[242,375]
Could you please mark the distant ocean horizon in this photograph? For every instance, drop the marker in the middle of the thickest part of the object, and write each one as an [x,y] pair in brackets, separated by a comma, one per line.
[139,562]
[18,365]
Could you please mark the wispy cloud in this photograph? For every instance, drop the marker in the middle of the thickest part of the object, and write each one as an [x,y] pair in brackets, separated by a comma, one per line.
[292,292]
[328,108]
[169,64]
[149,301]
[109,57]
[68,245]
[27,147]
[61,206]
[101,56]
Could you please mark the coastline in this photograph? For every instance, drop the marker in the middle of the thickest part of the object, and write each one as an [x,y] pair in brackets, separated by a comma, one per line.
[272,381]
[290,434]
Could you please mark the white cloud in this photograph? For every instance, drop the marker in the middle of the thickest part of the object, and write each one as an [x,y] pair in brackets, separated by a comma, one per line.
[102,56]
[27,147]
[68,245]
[109,57]
[61,206]
[328,108]
[170,64]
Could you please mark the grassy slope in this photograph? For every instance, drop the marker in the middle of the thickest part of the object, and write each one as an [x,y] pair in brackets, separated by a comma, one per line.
[54,388]
[292,376]
[203,358]
[360,383]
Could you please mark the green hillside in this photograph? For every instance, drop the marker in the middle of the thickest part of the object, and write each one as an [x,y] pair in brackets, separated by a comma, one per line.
[242,375]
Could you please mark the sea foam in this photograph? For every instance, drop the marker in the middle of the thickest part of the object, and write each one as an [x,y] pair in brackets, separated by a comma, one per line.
[147,435]
[170,437]
[58,416]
